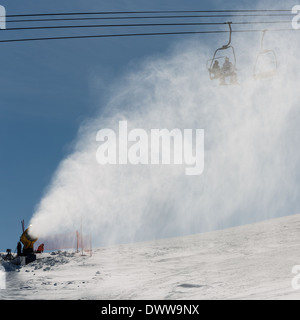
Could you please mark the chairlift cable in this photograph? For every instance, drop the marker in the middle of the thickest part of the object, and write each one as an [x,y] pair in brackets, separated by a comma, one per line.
[143,25]
[144,12]
[150,17]
[139,34]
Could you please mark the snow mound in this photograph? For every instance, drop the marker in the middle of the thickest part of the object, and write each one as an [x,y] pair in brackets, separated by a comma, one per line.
[253,261]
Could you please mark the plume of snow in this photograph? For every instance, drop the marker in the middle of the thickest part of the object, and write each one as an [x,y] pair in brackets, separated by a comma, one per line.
[251,149]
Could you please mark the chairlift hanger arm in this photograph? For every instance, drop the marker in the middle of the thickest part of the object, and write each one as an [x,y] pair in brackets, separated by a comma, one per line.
[230,33]
[262,40]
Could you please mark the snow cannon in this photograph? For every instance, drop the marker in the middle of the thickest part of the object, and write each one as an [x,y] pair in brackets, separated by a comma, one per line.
[28,242]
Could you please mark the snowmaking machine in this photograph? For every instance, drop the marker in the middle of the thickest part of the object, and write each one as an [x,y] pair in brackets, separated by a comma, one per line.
[28,243]
[26,254]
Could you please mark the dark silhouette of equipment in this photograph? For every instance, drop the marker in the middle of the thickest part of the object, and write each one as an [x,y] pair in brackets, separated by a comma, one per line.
[8,256]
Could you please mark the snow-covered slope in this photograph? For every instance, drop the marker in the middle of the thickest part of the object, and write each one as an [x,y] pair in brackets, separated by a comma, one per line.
[253,261]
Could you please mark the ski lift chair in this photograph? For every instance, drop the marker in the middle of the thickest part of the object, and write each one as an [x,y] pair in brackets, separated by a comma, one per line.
[266,63]
[229,50]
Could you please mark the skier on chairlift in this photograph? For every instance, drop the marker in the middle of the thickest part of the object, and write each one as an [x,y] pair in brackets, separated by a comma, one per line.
[216,70]
[229,71]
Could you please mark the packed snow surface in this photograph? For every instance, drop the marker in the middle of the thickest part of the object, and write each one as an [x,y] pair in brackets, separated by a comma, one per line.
[247,262]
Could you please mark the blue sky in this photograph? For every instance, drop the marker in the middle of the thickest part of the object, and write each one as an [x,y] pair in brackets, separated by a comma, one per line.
[46,92]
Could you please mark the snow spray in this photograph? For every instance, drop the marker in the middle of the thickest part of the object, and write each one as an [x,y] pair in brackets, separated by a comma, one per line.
[251,148]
